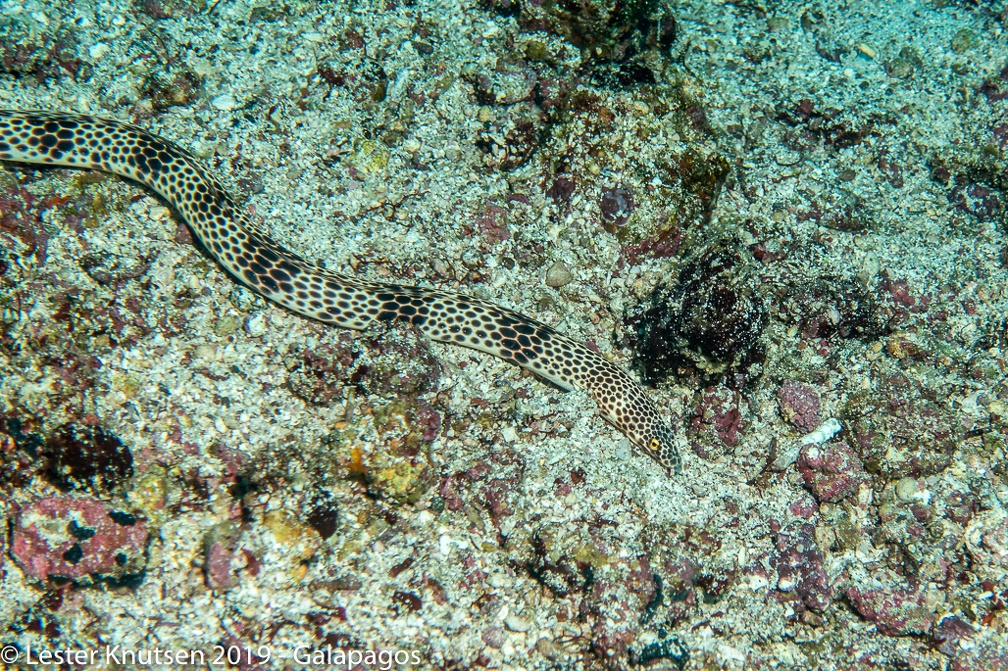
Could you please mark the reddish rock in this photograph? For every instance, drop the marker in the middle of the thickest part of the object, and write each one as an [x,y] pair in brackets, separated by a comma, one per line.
[562,189]
[985,656]
[805,508]
[832,471]
[949,632]
[800,567]
[616,205]
[995,541]
[492,223]
[895,613]
[615,624]
[800,405]
[495,496]
[719,410]
[977,200]
[220,547]
[218,567]
[81,539]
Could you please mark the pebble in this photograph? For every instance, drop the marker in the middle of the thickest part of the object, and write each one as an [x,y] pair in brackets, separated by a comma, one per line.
[548,649]
[515,623]
[558,275]
[787,157]
[906,490]
[204,150]
[494,637]
[225,102]
[256,325]
[206,351]
[227,325]
[497,580]
[97,50]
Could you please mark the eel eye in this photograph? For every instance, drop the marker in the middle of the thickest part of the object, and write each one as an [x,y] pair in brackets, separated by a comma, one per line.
[654,444]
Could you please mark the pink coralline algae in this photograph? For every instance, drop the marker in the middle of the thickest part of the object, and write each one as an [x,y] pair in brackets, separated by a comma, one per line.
[799,405]
[720,409]
[900,612]
[21,216]
[832,471]
[493,225]
[616,606]
[800,567]
[81,539]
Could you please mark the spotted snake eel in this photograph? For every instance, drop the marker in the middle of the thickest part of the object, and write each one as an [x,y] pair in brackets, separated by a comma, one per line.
[249,255]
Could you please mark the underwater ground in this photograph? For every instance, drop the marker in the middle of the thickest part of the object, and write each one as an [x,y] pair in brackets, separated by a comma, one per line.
[788,218]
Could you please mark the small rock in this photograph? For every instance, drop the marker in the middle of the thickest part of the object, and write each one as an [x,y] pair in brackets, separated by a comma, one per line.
[494,637]
[832,471]
[949,632]
[515,623]
[226,325]
[219,546]
[907,490]
[901,612]
[558,275]
[801,567]
[224,103]
[97,50]
[79,539]
[205,352]
[800,405]
[256,325]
